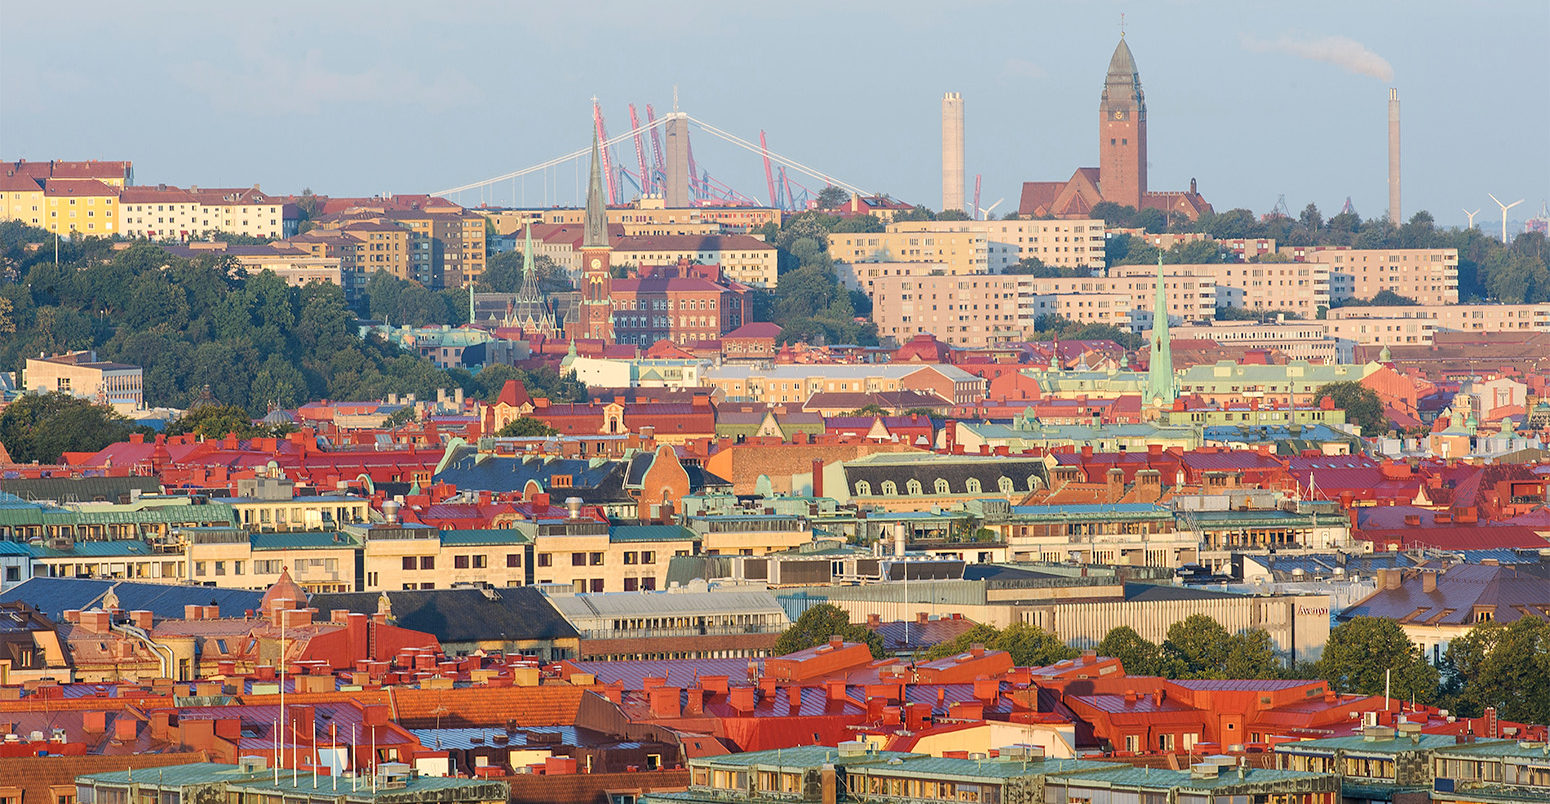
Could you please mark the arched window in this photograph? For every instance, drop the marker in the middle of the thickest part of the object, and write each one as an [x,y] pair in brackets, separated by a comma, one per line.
[1033,482]
[913,487]
[890,488]
[863,488]
[1005,484]
[941,486]
[973,485]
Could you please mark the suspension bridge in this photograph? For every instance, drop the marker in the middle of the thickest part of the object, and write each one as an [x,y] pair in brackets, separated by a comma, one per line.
[664,165]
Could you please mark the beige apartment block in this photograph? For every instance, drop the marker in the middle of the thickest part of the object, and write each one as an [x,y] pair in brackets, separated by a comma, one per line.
[1111,309]
[743,258]
[80,374]
[1296,287]
[1299,340]
[1061,243]
[1190,297]
[1428,275]
[863,276]
[750,534]
[1393,326]
[797,382]
[297,513]
[964,251]
[972,310]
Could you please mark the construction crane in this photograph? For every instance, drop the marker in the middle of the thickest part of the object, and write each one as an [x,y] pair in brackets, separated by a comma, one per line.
[976,194]
[602,136]
[640,153]
[658,170]
[769,176]
[1348,209]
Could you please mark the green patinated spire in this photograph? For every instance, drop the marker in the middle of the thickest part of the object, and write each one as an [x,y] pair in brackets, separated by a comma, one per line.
[595,224]
[1159,375]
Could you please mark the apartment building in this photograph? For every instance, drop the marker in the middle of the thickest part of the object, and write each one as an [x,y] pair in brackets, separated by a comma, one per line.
[1428,275]
[437,246]
[1300,288]
[82,375]
[164,212]
[798,382]
[963,251]
[650,215]
[743,258]
[1394,326]
[82,199]
[1062,243]
[1299,340]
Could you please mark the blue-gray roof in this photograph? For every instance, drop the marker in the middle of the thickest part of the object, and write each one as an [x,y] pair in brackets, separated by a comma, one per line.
[54,596]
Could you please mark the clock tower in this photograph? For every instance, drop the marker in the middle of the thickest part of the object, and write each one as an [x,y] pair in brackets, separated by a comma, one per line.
[596,315]
[1122,132]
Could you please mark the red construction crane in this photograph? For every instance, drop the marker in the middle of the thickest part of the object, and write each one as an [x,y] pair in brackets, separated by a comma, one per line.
[640,153]
[602,135]
[769,176]
[976,209]
[656,145]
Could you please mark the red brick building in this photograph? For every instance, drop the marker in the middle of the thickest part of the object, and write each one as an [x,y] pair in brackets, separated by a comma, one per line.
[683,304]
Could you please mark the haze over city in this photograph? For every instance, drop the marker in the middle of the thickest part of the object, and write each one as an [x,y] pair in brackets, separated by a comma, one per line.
[1253,100]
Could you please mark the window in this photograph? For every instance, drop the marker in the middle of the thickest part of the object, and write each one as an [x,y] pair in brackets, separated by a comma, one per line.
[595,559]
[1004,484]
[199,568]
[631,584]
[913,488]
[481,561]
[427,562]
[410,563]
[973,485]
[460,562]
[890,488]
[941,486]
[597,584]
[863,488]
[648,557]
[578,559]
[648,583]
[629,558]
[544,560]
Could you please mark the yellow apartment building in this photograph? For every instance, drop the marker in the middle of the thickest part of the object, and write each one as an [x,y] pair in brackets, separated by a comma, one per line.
[1062,243]
[80,374]
[963,251]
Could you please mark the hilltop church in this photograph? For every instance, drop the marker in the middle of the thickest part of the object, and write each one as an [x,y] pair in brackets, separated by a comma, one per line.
[1121,173]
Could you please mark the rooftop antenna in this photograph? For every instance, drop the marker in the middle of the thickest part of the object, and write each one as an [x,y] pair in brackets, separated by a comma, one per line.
[1471,217]
[1505,207]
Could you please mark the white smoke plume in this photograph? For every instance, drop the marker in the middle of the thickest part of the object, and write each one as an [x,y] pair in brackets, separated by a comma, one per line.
[1347,54]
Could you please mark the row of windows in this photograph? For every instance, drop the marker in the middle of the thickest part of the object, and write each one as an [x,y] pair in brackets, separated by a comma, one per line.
[913,487]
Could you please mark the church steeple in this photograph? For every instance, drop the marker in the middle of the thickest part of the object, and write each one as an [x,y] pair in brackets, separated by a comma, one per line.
[595,233]
[1159,373]
[1122,131]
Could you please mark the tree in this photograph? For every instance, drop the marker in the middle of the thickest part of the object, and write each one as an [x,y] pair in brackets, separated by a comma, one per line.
[1196,647]
[1139,656]
[42,427]
[819,623]
[1361,650]
[400,417]
[525,427]
[1251,654]
[215,421]
[952,215]
[1028,645]
[1361,405]
[831,197]
[1505,666]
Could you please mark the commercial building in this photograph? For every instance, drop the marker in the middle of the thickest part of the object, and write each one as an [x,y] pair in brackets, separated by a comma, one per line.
[81,375]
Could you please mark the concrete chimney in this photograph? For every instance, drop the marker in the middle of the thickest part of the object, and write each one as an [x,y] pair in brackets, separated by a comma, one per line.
[952,151]
[1394,157]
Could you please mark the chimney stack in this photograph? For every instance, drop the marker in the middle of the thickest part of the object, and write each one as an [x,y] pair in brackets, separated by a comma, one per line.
[1394,157]
[952,151]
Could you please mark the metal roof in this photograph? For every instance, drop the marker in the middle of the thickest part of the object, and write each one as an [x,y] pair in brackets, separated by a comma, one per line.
[673,601]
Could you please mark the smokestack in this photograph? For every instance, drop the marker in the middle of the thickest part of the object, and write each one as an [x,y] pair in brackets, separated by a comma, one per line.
[1394,157]
[677,194]
[952,151]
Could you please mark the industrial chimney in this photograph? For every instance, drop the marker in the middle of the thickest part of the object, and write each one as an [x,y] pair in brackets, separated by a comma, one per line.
[952,151]
[1394,157]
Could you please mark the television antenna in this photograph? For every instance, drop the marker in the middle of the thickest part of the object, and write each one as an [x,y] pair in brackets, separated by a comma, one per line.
[1505,207]
[1471,218]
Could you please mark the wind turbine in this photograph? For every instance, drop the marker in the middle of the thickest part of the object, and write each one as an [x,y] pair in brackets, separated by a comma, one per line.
[1505,207]
[985,211]
[1471,218]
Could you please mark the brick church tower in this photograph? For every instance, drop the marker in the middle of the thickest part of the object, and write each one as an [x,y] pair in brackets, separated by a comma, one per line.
[1122,132]
[596,313]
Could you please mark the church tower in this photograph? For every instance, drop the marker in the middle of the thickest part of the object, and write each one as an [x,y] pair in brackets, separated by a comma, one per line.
[596,318]
[1160,390]
[1122,132]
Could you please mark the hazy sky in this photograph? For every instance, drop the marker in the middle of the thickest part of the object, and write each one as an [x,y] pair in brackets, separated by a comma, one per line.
[1253,99]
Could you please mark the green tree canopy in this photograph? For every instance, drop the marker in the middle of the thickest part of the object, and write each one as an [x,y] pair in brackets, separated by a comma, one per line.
[1028,646]
[215,421]
[1359,653]
[42,427]
[525,427]
[831,197]
[1505,666]
[1196,647]
[820,622]
[1360,403]
[1140,656]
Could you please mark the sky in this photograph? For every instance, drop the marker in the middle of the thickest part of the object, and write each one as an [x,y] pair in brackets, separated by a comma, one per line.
[1254,100]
